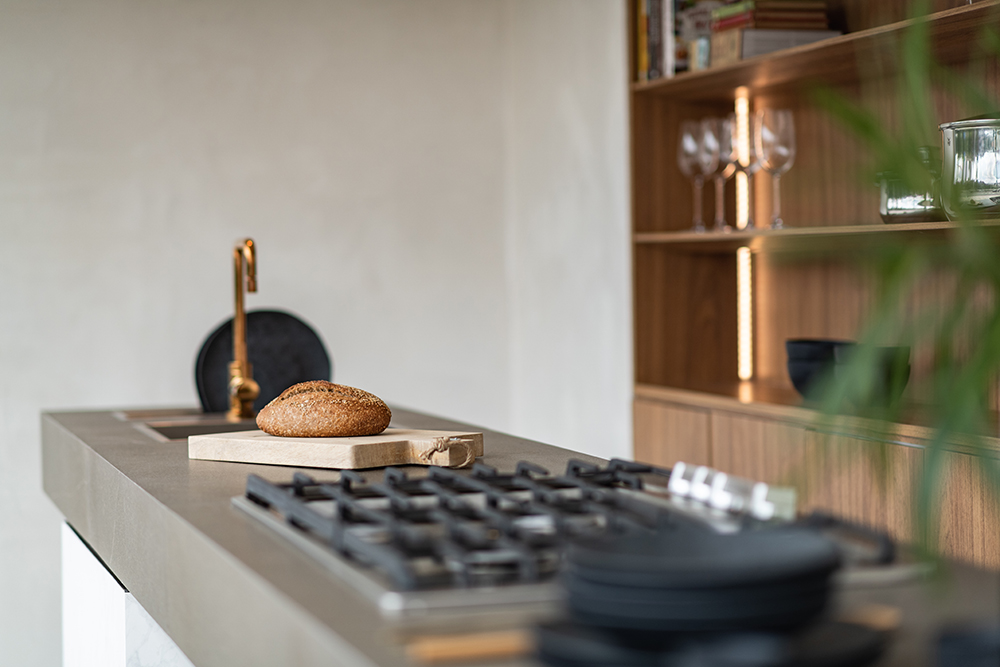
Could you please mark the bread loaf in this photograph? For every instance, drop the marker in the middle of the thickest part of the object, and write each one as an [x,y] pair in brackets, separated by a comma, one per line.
[320,409]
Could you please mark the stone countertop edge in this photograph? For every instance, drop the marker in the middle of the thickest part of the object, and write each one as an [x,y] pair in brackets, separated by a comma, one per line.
[225,589]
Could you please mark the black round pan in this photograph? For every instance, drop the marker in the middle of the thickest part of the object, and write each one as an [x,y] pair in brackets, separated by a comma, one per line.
[282,349]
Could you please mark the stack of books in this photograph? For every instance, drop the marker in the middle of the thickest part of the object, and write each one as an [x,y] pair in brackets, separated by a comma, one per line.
[655,56]
[749,28]
[771,15]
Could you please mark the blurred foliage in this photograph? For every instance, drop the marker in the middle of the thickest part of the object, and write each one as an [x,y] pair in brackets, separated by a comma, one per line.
[962,329]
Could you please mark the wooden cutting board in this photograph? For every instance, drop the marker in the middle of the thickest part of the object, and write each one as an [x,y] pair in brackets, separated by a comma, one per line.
[394,446]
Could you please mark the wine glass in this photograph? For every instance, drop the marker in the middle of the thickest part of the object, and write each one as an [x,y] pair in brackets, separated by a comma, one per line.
[708,149]
[690,146]
[725,130]
[774,139]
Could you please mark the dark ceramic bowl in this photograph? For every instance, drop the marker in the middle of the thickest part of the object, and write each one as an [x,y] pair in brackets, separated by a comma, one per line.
[892,373]
[814,349]
[808,375]
[893,383]
[884,356]
[811,362]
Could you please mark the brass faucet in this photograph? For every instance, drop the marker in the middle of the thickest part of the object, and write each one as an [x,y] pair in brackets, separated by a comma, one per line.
[243,391]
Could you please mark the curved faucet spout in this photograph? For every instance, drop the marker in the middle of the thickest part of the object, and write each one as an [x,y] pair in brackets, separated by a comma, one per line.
[243,391]
[249,252]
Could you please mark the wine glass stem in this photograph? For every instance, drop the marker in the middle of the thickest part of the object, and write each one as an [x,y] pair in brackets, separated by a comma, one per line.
[750,200]
[776,222]
[720,213]
[699,225]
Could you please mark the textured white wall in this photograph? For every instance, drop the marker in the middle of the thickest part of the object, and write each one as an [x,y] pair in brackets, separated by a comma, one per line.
[446,207]
[567,229]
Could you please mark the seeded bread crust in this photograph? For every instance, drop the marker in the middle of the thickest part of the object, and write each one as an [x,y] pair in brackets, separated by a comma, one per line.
[321,409]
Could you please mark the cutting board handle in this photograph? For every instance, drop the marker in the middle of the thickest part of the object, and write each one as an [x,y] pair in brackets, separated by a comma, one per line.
[448,452]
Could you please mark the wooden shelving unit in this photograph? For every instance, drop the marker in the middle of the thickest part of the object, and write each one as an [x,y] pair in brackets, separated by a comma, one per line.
[834,60]
[689,402]
[803,239]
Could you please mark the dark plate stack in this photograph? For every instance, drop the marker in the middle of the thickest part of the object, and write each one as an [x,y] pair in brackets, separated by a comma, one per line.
[825,644]
[686,595]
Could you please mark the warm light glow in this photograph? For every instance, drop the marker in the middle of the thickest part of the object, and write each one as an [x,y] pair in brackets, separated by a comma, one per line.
[743,153]
[742,201]
[744,264]
[744,313]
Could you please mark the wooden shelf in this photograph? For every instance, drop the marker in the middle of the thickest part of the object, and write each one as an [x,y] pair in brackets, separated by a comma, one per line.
[806,280]
[834,60]
[801,238]
[762,395]
[691,301]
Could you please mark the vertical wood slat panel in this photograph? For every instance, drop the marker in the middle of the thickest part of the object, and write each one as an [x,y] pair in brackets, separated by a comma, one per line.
[825,186]
[666,433]
[760,449]
[970,513]
[833,299]
[871,482]
[663,198]
[818,299]
[685,318]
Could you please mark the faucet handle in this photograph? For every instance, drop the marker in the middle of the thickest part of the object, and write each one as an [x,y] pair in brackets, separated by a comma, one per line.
[243,391]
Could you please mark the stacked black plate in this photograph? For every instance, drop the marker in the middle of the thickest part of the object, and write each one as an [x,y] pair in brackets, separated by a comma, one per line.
[687,595]
[691,579]
[825,644]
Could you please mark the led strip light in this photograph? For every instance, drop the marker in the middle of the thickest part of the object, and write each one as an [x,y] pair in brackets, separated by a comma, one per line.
[744,263]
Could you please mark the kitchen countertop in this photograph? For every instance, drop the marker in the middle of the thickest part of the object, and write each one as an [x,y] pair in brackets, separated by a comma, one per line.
[225,589]
[230,592]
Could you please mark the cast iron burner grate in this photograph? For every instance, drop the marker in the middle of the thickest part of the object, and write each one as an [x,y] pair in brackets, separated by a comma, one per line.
[451,541]
[454,530]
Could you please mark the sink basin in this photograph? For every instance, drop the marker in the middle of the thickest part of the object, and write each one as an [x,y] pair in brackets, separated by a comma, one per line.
[181,431]
[166,425]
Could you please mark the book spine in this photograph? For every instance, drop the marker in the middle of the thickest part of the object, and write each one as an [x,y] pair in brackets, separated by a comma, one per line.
[641,32]
[732,10]
[760,41]
[654,24]
[775,14]
[759,19]
[699,56]
[669,41]
[745,20]
[791,4]
[771,24]
[726,47]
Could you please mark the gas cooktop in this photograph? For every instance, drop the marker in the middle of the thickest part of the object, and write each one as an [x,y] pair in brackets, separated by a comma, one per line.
[454,541]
